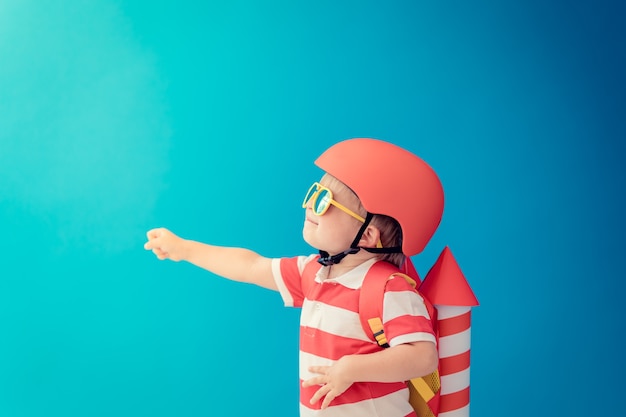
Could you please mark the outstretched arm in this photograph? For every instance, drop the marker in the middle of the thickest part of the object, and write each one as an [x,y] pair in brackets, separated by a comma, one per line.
[237,264]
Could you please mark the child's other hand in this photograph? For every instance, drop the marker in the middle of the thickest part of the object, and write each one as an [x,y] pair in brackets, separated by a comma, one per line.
[333,380]
[164,244]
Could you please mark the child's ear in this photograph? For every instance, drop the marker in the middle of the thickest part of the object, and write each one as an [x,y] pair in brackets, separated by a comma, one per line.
[370,237]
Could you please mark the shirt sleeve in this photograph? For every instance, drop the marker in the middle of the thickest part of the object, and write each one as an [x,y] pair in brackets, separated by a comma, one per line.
[405,316]
[288,277]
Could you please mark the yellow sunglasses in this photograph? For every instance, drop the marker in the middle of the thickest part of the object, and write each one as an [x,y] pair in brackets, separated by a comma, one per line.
[321,198]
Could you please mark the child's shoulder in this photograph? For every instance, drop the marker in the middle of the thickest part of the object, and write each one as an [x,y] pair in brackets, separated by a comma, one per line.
[300,263]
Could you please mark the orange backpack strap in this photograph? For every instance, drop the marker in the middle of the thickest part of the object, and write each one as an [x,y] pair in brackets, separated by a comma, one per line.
[371,300]
[373,293]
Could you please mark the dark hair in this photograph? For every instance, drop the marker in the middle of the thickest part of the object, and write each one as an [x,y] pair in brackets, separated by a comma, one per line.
[390,236]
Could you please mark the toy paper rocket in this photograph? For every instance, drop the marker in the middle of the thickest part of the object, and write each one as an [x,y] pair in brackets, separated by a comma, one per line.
[447,289]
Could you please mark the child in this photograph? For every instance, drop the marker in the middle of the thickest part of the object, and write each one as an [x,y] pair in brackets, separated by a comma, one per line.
[342,371]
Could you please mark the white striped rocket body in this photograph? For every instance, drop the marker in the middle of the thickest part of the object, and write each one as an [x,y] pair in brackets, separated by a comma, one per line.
[454,360]
[448,290]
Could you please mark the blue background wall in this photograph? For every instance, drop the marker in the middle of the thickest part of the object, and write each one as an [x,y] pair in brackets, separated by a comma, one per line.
[116,117]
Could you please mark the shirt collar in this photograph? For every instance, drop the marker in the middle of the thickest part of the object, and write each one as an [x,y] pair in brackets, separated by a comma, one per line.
[352,279]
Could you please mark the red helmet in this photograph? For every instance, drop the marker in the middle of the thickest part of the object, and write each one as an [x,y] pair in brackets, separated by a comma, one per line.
[392,181]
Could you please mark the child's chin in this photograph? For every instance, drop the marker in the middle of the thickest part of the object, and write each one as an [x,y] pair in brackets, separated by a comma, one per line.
[308,239]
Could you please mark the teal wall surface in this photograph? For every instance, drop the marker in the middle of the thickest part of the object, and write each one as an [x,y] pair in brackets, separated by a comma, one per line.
[206,117]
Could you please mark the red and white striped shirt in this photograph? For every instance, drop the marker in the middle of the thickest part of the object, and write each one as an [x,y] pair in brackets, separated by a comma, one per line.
[330,329]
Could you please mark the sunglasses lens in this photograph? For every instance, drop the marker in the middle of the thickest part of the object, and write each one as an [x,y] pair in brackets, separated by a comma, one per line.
[322,202]
[310,194]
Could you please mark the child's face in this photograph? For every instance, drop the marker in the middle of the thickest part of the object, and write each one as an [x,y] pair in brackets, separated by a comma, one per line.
[335,230]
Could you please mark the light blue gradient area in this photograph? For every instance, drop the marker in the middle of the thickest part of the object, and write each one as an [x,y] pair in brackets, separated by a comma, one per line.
[116,117]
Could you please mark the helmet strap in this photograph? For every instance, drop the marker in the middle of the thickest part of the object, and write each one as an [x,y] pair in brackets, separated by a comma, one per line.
[327,260]
[394,249]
